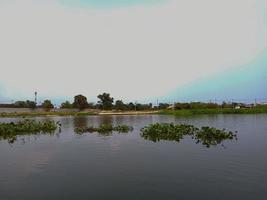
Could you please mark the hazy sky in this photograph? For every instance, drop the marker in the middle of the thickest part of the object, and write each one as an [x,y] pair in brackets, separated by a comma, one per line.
[134,49]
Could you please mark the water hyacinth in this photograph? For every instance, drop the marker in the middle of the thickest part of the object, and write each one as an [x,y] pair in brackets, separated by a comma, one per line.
[10,131]
[168,131]
[211,136]
[104,129]
[165,131]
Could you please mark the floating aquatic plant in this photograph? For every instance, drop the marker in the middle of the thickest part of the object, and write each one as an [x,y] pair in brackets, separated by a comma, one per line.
[165,131]
[104,129]
[10,131]
[168,131]
[211,136]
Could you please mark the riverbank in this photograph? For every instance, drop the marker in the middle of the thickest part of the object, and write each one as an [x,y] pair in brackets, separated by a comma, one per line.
[129,112]
[214,111]
[40,114]
[74,113]
[184,112]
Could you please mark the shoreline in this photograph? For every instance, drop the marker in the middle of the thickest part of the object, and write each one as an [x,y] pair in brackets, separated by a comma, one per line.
[216,111]
[77,113]
[188,112]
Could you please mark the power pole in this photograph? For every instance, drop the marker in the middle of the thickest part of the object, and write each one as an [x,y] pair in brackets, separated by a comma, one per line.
[35,97]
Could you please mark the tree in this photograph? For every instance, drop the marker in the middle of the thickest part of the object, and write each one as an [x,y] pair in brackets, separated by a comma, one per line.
[31,104]
[47,105]
[25,104]
[140,106]
[119,105]
[131,106]
[80,102]
[66,105]
[106,102]
[92,105]
[20,104]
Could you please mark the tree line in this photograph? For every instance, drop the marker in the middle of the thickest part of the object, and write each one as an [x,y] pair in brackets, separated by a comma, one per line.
[106,102]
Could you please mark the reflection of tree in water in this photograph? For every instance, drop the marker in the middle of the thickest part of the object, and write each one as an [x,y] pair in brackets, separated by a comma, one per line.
[80,122]
[23,139]
[105,120]
[104,129]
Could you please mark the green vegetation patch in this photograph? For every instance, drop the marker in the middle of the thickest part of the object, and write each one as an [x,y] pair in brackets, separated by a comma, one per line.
[208,136]
[188,112]
[104,129]
[10,131]
[51,113]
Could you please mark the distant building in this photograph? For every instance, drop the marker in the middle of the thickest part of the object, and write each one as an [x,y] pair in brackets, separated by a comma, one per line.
[171,107]
[248,105]
[262,103]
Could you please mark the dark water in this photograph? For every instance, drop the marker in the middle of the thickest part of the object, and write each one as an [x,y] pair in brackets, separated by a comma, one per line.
[125,166]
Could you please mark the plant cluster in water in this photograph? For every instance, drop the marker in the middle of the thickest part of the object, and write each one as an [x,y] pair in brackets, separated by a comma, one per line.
[168,131]
[104,129]
[10,131]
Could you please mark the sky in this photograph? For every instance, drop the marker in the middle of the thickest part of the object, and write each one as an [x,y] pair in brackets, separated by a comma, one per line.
[242,84]
[137,50]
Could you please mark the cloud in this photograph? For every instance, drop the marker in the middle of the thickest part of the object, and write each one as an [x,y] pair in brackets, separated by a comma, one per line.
[131,52]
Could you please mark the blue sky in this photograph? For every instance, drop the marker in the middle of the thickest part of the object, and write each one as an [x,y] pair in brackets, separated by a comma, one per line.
[243,84]
[134,49]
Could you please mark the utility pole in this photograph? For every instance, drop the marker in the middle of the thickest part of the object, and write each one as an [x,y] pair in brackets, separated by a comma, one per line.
[35,97]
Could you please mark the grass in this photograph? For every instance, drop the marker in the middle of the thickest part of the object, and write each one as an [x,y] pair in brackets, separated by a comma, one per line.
[183,112]
[37,114]
[10,131]
[214,111]
[208,136]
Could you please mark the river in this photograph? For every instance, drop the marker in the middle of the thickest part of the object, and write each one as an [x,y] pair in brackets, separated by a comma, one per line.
[66,165]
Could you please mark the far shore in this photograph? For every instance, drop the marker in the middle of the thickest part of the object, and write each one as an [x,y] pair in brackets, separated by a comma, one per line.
[74,113]
[183,112]
[129,112]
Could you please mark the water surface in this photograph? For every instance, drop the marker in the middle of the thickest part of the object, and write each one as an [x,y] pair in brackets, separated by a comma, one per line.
[126,166]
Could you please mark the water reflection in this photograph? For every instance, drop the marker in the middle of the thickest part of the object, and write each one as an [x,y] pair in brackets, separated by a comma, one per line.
[109,125]
[104,129]
[205,141]
[106,120]
[135,167]
[80,122]
[23,139]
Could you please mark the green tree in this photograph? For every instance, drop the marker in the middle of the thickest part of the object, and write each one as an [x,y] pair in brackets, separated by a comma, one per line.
[47,105]
[66,105]
[25,104]
[20,104]
[119,105]
[80,102]
[31,104]
[131,106]
[106,102]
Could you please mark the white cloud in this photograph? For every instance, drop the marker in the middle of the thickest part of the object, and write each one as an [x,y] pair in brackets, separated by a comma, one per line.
[131,52]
